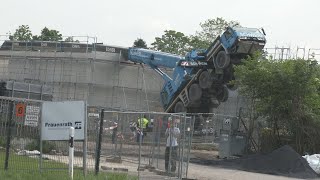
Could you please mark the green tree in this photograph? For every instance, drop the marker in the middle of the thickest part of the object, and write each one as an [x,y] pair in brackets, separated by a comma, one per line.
[172,42]
[210,29]
[70,39]
[286,94]
[23,33]
[196,42]
[178,43]
[140,43]
[48,35]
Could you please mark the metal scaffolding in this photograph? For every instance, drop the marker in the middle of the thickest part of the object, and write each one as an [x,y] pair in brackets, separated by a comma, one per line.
[82,70]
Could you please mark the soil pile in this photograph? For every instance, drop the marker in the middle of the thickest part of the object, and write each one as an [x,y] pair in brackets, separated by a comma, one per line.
[283,161]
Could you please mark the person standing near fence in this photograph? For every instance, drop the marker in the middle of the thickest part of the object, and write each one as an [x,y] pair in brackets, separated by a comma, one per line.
[172,133]
[114,129]
[133,128]
[142,126]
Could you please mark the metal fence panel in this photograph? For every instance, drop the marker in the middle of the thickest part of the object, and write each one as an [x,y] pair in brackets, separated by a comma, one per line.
[20,124]
[145,151]
[123,147]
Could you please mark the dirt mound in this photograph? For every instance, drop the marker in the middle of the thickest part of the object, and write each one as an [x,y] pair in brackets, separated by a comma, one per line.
[283,161]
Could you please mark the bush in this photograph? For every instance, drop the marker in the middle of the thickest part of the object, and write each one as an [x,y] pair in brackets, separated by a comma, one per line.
[35,145]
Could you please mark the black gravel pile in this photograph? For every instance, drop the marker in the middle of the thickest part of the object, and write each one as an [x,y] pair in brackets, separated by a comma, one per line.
[283,161]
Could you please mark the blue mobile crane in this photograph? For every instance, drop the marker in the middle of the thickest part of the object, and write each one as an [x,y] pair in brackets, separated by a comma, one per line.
[200,80]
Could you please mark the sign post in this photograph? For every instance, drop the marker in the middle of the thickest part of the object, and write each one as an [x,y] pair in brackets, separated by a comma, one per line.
[71,151]
[98,148]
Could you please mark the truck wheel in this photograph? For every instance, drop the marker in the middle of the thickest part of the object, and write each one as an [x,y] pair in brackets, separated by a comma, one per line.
[195,92]
[222,94]
[205,80]
[216,78]
[222,60]
[179,107]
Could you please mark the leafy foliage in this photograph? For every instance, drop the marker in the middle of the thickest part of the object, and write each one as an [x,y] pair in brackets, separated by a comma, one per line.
[48,35]
[286,94]
[70,39]
[23,33]
[140,43]
[178,43]
[172,42]
[197,43]
[211,28]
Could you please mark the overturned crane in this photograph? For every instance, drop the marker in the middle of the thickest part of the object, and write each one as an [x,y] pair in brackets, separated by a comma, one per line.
[200,79]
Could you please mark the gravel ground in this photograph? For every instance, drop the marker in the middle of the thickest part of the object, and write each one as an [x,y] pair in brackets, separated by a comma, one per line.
[202,172]
[196,171]
[283,162]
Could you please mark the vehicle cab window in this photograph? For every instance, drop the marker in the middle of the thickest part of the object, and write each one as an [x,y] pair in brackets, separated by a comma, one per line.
[228,33]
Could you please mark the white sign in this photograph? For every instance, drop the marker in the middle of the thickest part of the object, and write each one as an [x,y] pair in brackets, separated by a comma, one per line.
[58,117]
[32,116]
[33,109]
[93,115]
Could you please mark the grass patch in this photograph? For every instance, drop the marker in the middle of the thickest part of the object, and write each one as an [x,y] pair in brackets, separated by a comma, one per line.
[61,175]
[27,168]
[28,163]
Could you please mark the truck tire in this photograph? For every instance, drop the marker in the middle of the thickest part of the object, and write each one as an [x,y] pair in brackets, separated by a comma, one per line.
[216,78]
[195,92]
[222,94]
[179,107]
[205,80]
[222,60]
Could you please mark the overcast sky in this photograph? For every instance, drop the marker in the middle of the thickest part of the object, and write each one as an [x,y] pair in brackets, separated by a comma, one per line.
[120,22]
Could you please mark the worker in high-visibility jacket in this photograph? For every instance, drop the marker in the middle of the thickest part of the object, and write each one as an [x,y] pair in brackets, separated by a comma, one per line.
[142,125]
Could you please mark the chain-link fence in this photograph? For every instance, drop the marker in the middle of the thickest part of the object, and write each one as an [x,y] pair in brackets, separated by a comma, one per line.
[146,144]
[20,145]
[127,143]
[165,146]
[18,131]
